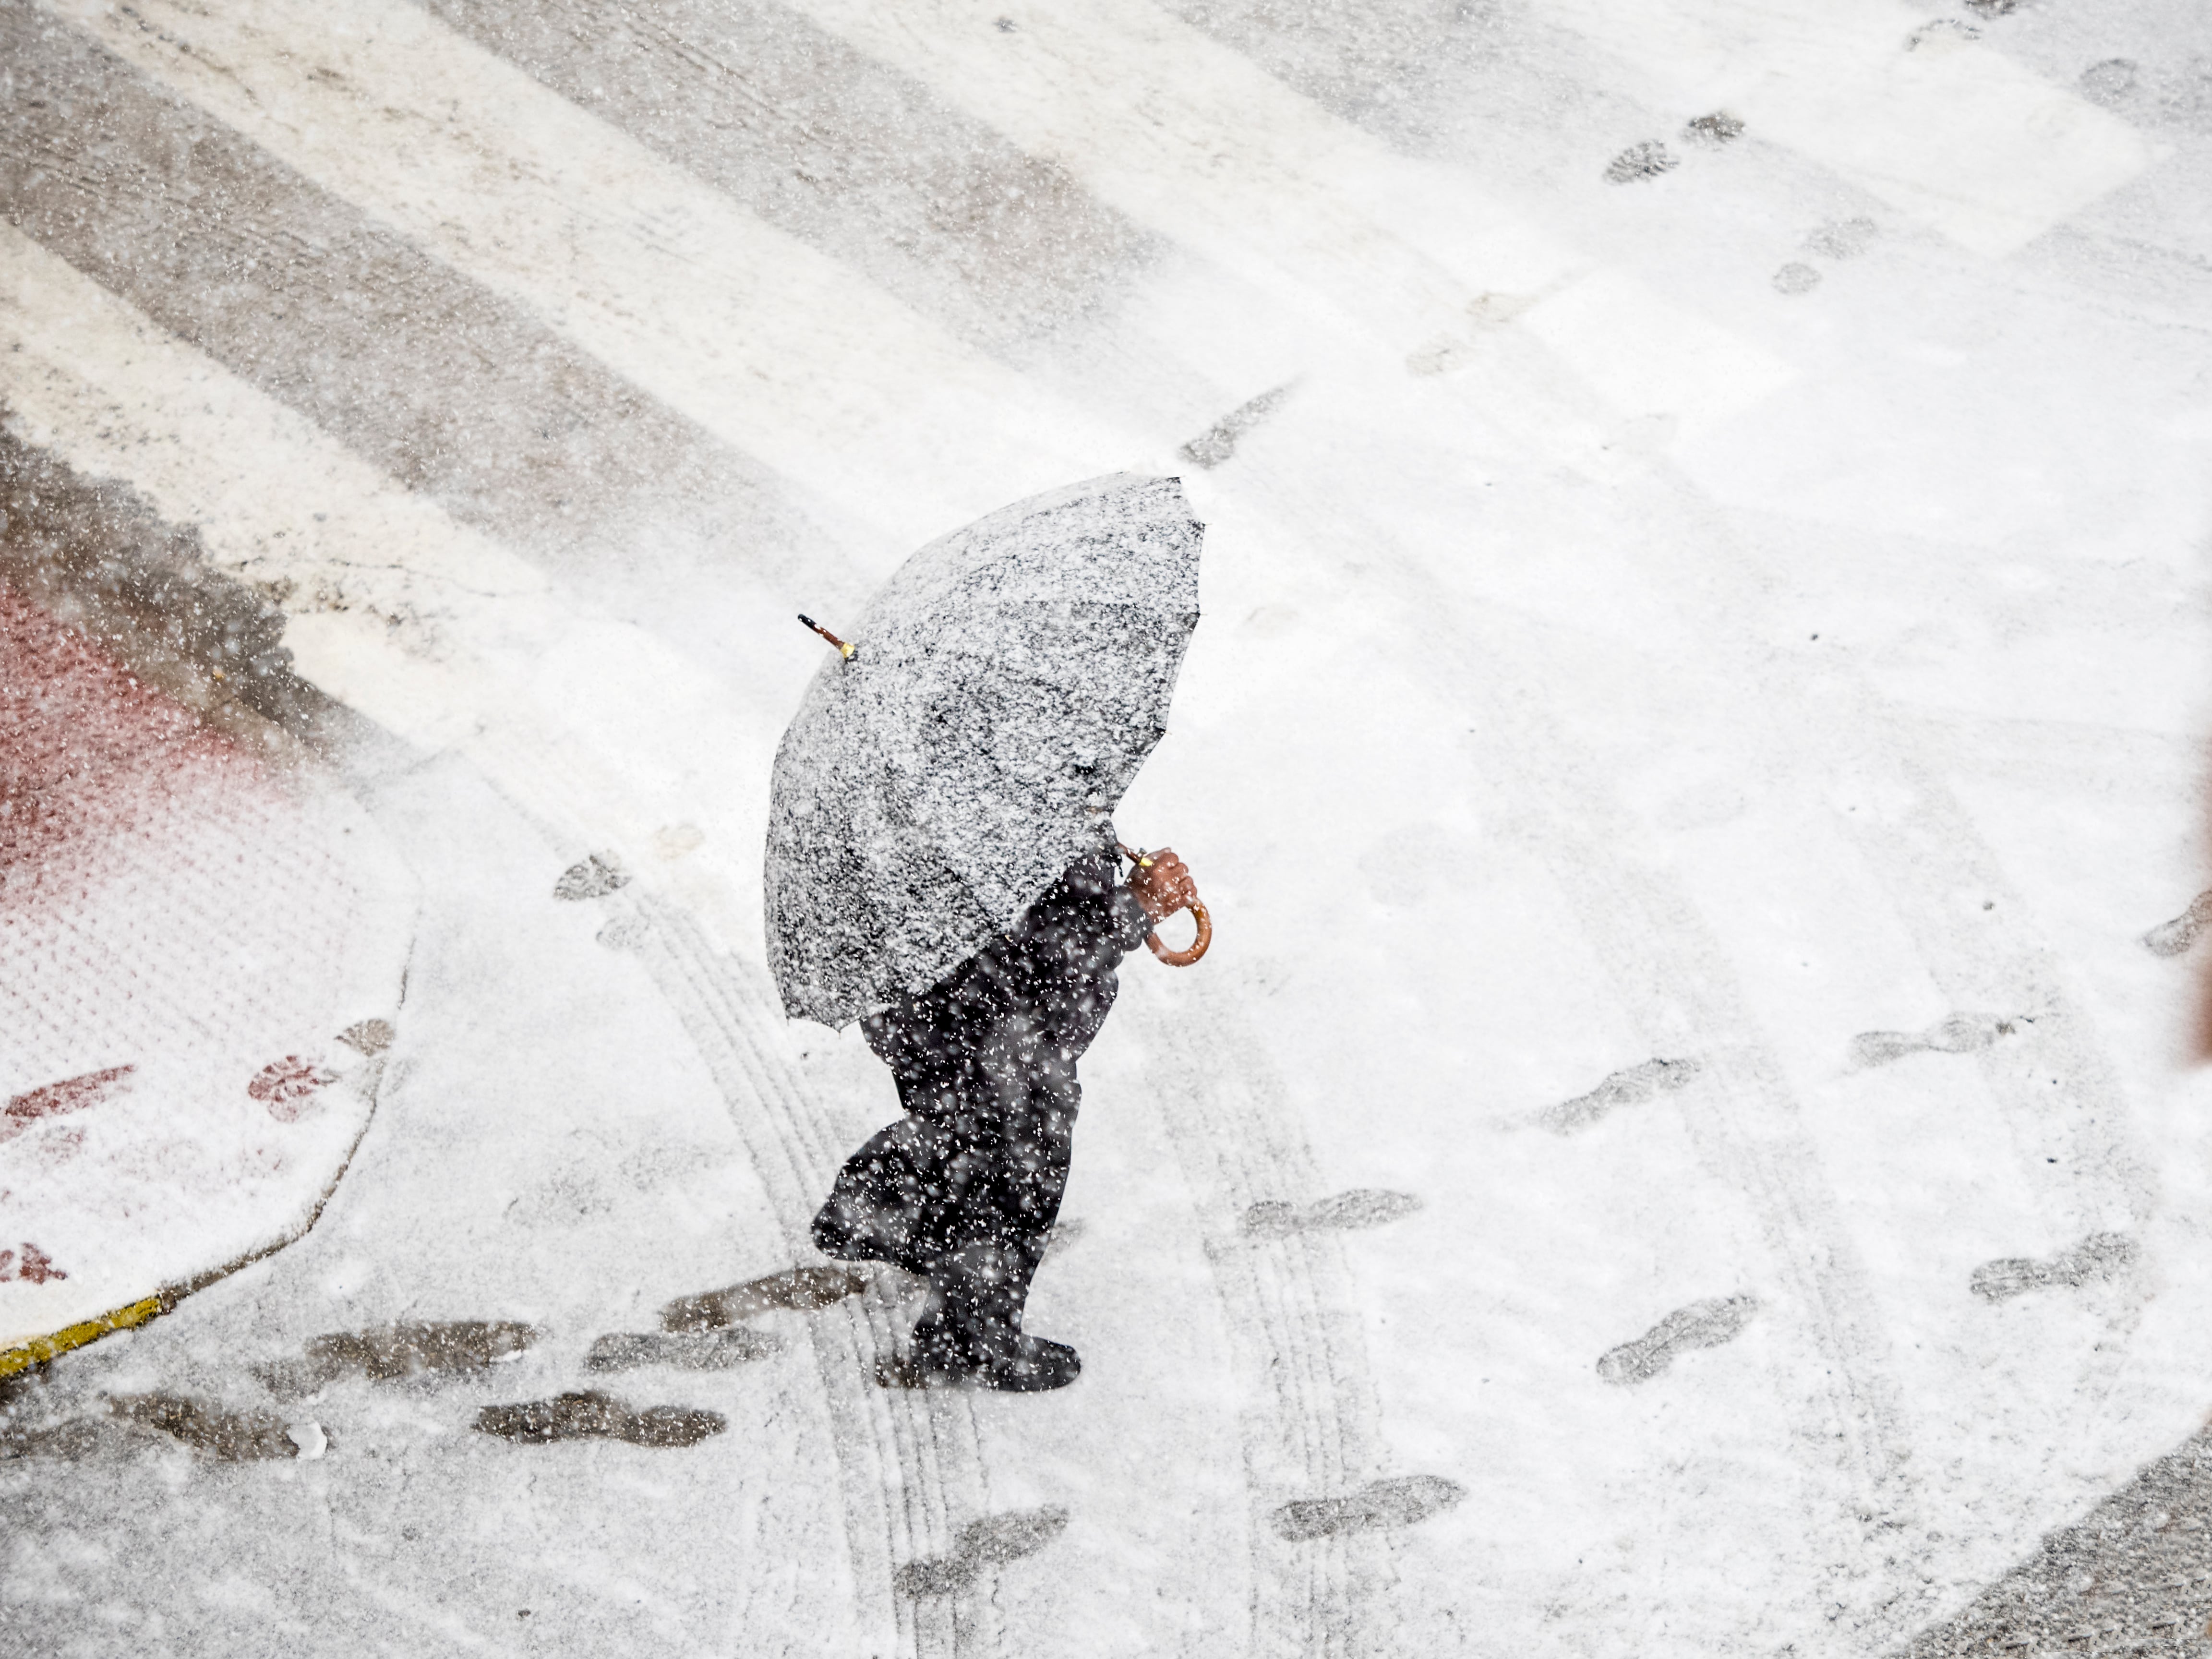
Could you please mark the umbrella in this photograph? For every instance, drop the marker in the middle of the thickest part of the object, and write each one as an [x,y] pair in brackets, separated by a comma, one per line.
[999,693]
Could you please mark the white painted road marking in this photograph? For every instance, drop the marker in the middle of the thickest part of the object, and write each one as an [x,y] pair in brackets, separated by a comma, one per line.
[419,622]
[770,345]
[1193,139]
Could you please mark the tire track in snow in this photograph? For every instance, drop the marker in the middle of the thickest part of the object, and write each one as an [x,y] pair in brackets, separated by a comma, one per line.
[1743,1117]
[1682,989]
[910,1463]
[1598,887]
[182,431]
[2069,756]
[1676,982]
[2059,1087]
[1647,926]
[1310,1424]
[1974,933]
[1931,855]
[930,1441]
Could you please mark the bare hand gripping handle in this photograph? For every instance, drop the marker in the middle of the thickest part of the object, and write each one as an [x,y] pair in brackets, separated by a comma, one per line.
[1196,949]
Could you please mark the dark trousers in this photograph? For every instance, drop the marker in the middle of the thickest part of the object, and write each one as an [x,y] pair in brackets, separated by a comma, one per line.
[985,1063]
[954,1172]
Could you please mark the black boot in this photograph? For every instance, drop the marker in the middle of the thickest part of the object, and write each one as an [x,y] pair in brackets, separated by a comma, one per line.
[972,1329]
[876,1207]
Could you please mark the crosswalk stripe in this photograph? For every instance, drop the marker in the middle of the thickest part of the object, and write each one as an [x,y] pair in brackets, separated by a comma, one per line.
[837,149]
[776,348]
[1186,135]
[1182,134]
[420,623]
[424,373]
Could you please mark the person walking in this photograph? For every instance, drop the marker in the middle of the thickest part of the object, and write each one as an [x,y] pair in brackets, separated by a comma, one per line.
[965,1188]
[941,867]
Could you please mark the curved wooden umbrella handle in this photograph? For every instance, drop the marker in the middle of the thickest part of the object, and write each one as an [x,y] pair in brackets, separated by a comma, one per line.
[1184,959]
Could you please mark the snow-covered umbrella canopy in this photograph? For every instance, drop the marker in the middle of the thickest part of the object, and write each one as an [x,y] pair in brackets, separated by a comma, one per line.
[1002,690]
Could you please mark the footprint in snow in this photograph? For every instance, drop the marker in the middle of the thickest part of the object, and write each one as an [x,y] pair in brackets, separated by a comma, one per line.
[71,1440]
[1218,443]
[57,1099]
[287,1087]
[1843,239]
[1944,35]
[1715,130]
[1378,1503]
[1700,1325]
[2173,938]
[425,1351]
[1959,1034]
[595,877]
[591,1415]
[1644,160]
[799,1289]
[2100,1255]
[1627,1087]
[625,934]
[991,1542]
[35,1267]
[228,1437]
[2111,83]
[1362,1207]
[692,1351]
[369,1036]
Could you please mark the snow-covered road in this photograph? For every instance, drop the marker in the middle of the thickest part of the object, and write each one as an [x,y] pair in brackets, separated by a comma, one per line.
[1681,1148]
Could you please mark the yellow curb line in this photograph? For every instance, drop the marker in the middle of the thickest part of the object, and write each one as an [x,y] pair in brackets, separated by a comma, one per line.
[40,1349]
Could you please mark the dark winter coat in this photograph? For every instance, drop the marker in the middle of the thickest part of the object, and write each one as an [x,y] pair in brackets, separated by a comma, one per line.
[985,1063]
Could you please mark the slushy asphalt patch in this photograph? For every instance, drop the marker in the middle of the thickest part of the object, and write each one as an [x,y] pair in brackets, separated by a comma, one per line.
[588,1414]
